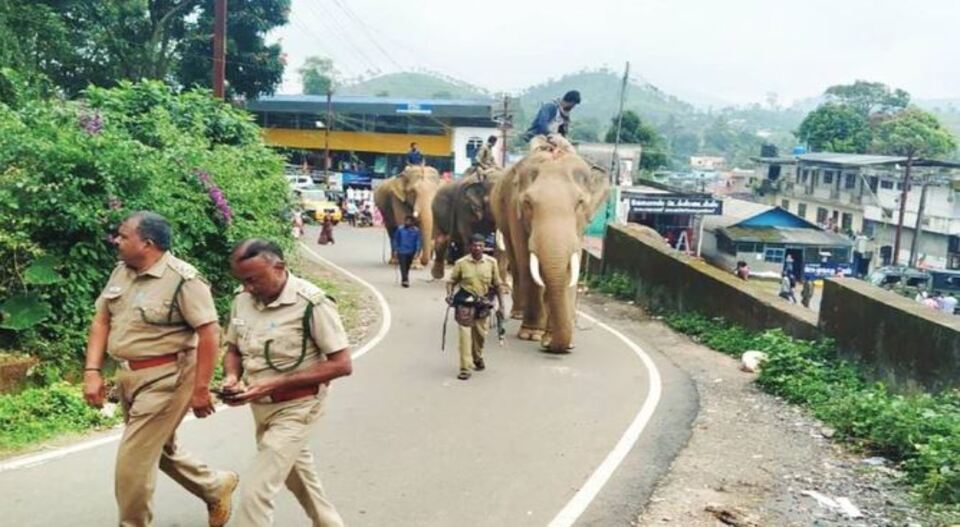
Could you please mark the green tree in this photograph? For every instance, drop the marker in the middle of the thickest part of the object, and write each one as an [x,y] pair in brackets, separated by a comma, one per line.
[869,98]
[915,134]
[253,66]
[318,75]
[634,131]
[585,130]
[835,128]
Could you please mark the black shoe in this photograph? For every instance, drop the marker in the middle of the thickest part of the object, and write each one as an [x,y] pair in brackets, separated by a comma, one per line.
[405,284]
[479,365]
[464,375]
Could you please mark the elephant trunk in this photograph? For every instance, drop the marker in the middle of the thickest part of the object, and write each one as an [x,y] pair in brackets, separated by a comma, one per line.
[423,211]
[556,273]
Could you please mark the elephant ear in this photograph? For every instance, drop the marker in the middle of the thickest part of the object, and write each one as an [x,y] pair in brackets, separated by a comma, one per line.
[399,188]
[595,184]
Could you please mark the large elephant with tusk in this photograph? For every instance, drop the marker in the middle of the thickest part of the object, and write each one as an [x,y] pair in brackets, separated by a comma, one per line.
[410,193]
[542,206]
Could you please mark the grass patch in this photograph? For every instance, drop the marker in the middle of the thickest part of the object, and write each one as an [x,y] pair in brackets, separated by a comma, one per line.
[921,432]
[617,285]
[37,414]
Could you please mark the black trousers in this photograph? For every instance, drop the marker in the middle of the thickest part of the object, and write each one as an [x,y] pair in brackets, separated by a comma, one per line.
[405,260]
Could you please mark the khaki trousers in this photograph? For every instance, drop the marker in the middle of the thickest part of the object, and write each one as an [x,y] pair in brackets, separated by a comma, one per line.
[154,401]
[472,339]
[284,459]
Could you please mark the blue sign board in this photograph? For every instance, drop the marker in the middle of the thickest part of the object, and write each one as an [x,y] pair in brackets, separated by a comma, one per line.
[415,109]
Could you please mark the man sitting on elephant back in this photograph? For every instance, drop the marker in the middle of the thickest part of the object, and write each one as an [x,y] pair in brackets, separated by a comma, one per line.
[478,277]
[484,159]
[554,117]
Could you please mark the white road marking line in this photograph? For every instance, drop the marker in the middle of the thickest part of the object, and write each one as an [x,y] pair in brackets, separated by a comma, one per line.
[45,457]
[582,499]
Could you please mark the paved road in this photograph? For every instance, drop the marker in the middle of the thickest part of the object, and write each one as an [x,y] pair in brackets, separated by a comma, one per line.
[404,443]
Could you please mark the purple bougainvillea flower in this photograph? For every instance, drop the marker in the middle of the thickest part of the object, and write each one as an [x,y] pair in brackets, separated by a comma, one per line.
[91,124]
[216,196]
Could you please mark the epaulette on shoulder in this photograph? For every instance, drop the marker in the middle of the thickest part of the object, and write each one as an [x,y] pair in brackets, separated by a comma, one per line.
[314,295]
[187,271]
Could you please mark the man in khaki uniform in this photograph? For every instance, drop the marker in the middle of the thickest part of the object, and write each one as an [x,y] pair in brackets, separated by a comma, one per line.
[484,159]
[286,342]
[156,318]
[479,275]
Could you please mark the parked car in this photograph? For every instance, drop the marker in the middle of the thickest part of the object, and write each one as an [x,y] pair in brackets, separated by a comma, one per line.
[301,181]
[944,281]
[900,277]
[316,204]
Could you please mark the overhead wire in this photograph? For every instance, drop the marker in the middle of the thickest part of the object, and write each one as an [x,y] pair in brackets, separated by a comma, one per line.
[334,26]
[367,30]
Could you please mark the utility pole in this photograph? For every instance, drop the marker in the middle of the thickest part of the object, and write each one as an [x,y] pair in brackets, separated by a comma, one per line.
[503,131]
[326,132]
[918,231]
[903,209]
[219,48]
[615,162]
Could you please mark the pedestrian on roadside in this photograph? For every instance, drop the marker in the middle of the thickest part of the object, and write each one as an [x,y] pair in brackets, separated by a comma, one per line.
[932,301]
[285,343]
[742,271]
[948,303]
[806,293]
[157,320]
[407,242]
[352,212]
[297,224]
[326,231]
[786,288]
[478,278]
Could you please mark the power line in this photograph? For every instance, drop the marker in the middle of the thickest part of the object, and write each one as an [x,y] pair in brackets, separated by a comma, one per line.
[367,31]
[334,26]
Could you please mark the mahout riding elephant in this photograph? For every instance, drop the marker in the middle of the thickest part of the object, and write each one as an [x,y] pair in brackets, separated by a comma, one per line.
[409,193]
[542,206]
[460,210]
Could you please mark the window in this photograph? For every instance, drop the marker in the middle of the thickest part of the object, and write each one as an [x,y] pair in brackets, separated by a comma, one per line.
[849,181]
[806,175]
[785,204]
[473,144]
[873,183]
[725,245]
[828,177]
[886,183]
[802,210]
[821,215]
[746,247]
[773,255]
[846,222]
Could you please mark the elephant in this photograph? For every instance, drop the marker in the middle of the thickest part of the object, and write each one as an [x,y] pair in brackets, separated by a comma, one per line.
[460,210]
[410,193]
[542,205]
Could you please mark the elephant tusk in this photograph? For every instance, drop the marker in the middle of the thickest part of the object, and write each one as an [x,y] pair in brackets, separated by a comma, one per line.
[499,237]
[574,269]
[535,270]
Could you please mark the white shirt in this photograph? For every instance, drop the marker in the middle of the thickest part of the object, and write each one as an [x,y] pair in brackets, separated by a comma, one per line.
[948,304]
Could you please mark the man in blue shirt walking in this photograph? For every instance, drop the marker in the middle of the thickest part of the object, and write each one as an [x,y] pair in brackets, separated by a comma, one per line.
[407,243]
[554,116]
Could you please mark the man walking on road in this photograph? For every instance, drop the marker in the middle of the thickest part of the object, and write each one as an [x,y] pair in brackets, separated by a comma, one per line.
[157,319]
[287,342]
[407,242]
[478,278]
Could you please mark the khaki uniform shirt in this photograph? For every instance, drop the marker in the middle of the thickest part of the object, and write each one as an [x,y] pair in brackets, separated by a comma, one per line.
[476,276]
[280,322]
[484,157]
[148,316]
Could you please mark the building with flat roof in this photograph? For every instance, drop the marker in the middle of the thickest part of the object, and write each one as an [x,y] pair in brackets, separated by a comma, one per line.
[860,194]
[373,134]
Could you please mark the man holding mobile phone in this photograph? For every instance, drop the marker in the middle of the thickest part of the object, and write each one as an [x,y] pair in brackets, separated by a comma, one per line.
[286,342]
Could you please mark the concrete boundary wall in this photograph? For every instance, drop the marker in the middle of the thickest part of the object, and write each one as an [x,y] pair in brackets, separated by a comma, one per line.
[667,280]
[907,345]
[895,340]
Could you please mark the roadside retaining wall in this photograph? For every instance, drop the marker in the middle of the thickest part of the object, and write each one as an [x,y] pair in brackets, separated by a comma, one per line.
[667,280]
[908,346]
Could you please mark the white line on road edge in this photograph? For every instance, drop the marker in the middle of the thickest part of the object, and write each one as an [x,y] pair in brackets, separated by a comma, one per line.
[45,457]
[582,499]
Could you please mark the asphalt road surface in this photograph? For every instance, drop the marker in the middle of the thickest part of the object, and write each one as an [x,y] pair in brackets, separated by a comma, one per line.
[404,443]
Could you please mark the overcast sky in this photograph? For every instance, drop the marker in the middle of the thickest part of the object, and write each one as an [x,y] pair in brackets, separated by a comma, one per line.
[713,50]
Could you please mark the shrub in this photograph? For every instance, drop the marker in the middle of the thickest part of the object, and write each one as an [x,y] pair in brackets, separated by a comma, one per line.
[921,431]
[70,171]
[36,414]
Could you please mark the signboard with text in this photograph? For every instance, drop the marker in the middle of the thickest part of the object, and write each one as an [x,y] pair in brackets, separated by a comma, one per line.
[698,204]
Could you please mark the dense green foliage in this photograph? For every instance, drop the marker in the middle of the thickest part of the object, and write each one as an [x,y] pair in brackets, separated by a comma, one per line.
[617,285]
[835,128]
[634,131]
[869,98]
[76,43]
[920,431]
[69,172]
[37,414]
[318,75]
[913,133]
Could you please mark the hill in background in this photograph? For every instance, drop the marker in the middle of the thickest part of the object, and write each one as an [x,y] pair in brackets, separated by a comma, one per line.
[415,85]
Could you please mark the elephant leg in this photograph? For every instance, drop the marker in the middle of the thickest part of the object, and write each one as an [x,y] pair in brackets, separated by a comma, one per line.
[440,256]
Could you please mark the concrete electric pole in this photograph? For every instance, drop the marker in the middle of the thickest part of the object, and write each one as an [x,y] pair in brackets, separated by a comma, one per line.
[219,48]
